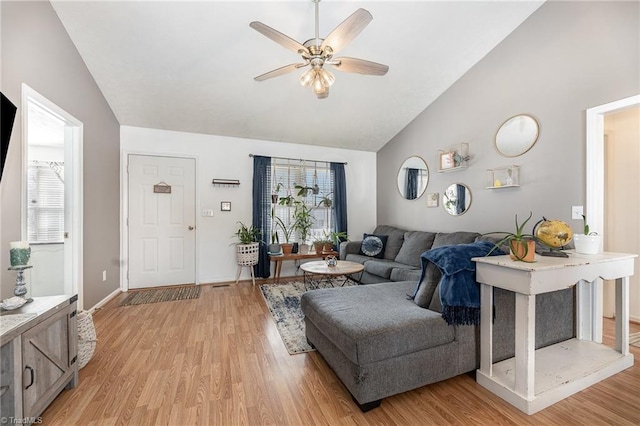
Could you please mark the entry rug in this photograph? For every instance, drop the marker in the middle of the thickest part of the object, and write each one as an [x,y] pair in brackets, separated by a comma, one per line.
[634,339]
[161,295]
[283,301]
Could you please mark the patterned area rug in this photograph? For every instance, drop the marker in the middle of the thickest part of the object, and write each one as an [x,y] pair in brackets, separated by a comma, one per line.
[283,301]
[161,295]
[634,339]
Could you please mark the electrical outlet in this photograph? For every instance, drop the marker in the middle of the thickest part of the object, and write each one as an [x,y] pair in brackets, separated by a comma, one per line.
[207,213]
[577,212]
[104,275]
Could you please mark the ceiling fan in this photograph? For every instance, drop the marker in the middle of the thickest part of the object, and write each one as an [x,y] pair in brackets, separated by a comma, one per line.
[318,52]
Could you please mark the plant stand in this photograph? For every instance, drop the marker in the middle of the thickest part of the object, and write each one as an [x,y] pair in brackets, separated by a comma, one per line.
[247,255]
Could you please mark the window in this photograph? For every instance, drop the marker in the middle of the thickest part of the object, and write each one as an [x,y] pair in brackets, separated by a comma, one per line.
[297,183]
[45,202]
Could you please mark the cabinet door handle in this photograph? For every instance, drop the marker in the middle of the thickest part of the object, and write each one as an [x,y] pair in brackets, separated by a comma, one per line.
[31,373]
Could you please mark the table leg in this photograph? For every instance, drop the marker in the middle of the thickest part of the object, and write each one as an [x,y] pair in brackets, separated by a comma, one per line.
[278,269]
[525,359]
[486,329]
[622,315]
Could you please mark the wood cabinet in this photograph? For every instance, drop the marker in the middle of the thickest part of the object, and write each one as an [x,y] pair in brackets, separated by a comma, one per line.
[39,356]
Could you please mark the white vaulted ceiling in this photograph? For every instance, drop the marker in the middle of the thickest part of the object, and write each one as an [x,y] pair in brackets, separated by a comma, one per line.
[189,66]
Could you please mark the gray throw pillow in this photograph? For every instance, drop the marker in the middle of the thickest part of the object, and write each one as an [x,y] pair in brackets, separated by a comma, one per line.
[415,243]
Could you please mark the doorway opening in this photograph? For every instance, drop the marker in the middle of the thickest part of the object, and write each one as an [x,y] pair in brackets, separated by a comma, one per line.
[52,196]
[595,181]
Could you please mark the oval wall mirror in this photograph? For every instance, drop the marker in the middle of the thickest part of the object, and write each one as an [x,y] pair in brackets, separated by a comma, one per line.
[517,135]
[413,177]
[456,199]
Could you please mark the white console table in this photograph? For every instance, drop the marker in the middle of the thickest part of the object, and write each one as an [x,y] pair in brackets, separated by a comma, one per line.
[535,379]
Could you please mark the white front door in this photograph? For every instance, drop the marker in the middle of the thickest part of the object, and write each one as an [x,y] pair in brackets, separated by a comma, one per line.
[161,221]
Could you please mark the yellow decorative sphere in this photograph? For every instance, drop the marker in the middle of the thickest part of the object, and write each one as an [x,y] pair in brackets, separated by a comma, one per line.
[554,233]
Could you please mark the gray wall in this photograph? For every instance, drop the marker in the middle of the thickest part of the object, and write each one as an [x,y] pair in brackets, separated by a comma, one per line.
[36,50]
[564,59]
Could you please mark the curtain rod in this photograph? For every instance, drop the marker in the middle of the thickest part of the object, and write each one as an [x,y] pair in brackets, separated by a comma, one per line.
[300,159]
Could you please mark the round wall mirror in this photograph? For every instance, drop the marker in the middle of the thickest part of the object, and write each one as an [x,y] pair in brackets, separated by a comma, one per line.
[517,135]
[413,177]
[456,199]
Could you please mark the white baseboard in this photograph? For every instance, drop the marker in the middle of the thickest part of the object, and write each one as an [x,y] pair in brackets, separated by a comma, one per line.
[104,301]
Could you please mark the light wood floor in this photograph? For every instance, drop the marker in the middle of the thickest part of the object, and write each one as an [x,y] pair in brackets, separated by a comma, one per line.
[219,360]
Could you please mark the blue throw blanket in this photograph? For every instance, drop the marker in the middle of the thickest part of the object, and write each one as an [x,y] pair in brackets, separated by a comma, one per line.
[459,291]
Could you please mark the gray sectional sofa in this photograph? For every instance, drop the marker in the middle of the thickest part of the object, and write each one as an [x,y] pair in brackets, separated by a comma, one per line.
[380,342]
[401,261]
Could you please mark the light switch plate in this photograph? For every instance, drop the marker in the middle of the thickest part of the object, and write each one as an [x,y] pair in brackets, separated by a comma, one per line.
[207,213]
[577,212]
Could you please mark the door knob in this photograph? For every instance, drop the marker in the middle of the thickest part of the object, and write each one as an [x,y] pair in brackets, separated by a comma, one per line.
[190,228]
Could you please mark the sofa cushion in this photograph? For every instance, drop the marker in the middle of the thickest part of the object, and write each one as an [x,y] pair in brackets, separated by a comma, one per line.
[382,267]
[460,237]
[360,258]
[373,245]
[375,322]
[402,274]
[395,237]
[415,243]
[427,288]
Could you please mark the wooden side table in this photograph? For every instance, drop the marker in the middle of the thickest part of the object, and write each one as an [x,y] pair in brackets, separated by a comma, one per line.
[536,379]
[278,259]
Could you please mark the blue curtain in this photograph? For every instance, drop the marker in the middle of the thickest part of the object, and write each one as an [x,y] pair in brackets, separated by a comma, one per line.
[462,202]
[261,209]
[339,197]
[411,187]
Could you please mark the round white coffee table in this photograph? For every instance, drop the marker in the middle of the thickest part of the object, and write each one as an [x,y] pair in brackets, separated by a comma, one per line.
[342,268]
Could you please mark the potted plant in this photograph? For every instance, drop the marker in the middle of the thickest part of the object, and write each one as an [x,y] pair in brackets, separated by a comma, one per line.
[274,193]
[287,231]
[336,238]
[522,246]
[588,242]
[248,249]
[303,223]
[322,244]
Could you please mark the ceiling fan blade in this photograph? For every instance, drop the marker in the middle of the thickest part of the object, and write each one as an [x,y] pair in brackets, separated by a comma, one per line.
[347,30]
[279,71]
[360,66]
[277,36]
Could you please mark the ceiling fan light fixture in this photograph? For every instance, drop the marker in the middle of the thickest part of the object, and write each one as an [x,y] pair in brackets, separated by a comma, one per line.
[327,77]
[307,78]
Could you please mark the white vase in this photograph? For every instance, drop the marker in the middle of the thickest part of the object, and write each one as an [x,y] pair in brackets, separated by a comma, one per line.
[587,244]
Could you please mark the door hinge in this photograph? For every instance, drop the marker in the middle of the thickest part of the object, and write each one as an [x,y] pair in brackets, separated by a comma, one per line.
[74,359]
[73,314]
[74,298]
[66,235]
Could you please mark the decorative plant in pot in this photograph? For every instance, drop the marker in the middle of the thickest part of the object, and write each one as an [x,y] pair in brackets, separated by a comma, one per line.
[248,249]
[589,242]
[336,238]
[303,224]
[522,246]
[322,244]
[287,232]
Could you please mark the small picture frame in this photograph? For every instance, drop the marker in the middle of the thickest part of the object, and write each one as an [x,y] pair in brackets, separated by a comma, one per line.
[447,160]
[433,199]
[225,206]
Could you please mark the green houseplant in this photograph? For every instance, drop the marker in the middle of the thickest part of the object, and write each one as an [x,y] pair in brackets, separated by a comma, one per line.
[247,234]
[287,232]
[248,250]
[522,246]
[303,223]
[589,242]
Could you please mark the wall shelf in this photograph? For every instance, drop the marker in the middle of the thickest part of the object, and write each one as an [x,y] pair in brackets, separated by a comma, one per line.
[503,177]
[226,182]
[453,158]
